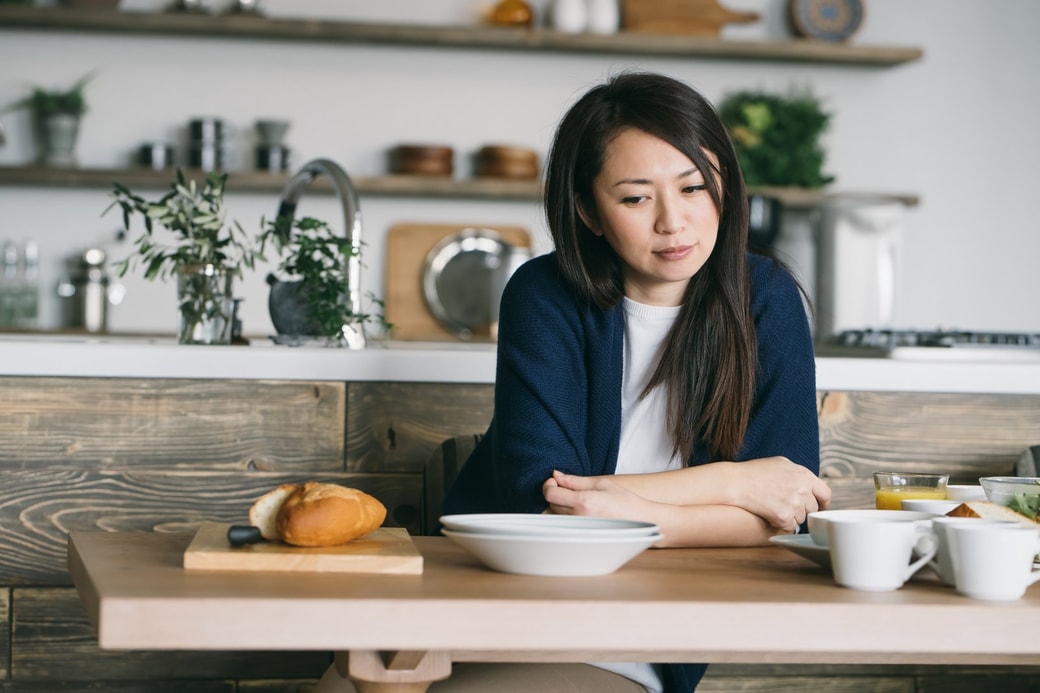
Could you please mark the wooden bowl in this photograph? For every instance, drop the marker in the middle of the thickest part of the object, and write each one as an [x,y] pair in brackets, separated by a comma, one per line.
[503,161]
[422,160]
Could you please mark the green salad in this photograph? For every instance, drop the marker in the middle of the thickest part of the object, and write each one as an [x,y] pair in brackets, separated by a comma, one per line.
[1027,504]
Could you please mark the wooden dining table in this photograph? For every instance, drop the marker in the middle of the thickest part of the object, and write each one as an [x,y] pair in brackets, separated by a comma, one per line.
[401,632]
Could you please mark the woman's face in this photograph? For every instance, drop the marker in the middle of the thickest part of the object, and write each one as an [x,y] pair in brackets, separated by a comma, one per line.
[653,208]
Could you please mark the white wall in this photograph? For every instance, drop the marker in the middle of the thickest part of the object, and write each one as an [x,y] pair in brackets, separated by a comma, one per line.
[957,128]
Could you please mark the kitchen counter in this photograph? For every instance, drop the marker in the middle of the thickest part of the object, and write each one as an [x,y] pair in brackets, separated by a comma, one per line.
[143,357]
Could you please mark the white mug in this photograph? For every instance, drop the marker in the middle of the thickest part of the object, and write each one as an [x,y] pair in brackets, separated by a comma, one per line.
[942,564]
[993,561]
[874,554]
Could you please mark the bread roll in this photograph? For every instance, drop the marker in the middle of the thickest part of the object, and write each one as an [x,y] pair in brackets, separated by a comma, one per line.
[265,510]
[316,514]
[990,511]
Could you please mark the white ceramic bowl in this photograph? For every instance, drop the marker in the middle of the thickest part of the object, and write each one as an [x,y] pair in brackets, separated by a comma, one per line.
[930,505]
[965,492]
[544,555]
[818,520]
[551,525]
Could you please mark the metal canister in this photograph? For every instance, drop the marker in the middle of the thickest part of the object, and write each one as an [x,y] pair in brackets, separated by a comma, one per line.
[86,293]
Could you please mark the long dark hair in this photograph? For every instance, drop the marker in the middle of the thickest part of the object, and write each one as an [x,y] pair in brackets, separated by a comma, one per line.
[709,358]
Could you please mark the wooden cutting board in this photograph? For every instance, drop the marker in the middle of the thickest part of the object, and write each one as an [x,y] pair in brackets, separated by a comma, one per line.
[407,245]
[386,550]
[687,17]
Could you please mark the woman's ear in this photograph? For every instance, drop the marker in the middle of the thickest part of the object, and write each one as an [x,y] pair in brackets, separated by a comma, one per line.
[589,220]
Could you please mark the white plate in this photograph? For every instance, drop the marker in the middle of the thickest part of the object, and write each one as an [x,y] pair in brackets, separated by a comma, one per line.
[542,555]
[553,525]
[804,546]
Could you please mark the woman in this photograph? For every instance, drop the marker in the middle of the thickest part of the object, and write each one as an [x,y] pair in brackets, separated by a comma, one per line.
[651,368]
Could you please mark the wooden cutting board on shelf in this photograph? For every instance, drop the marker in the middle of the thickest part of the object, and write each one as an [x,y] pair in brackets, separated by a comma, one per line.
[687,17]
[386,550]
[407,245]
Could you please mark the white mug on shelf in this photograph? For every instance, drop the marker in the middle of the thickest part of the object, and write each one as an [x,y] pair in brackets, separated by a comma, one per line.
[604,16]
[874,554]
[569,16]
[993,560]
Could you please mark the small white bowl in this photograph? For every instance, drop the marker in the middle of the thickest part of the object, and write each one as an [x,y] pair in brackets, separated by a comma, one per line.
[965,492]
[542,555]
[930,505]
[818,520]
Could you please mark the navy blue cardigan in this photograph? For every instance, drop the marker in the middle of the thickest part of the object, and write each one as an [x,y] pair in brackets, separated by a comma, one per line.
[558,395]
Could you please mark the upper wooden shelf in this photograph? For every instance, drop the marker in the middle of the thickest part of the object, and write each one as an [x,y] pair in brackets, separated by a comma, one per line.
[387,186]
[245,26]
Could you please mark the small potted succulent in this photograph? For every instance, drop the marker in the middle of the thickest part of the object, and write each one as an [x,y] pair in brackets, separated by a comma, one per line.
[205,254]
[56,117]
[312,302]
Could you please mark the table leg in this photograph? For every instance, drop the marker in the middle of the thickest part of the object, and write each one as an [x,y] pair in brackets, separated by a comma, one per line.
[401,671]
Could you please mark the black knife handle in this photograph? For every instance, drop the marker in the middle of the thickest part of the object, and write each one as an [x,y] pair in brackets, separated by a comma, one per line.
[240,535]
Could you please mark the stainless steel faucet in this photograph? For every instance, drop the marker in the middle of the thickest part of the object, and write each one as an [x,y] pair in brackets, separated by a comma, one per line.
[354,332]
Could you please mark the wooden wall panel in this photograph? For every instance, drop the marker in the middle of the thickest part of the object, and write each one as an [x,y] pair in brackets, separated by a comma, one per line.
[119,687]
[53,640]
[218,424]
[397,426]
[5,633]
[40,506]
[967,436]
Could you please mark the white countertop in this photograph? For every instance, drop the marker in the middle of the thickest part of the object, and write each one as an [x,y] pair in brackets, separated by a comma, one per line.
[137,357]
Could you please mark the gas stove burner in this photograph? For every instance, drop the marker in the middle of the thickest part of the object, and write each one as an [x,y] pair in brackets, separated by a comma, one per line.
[925,344]
[888,339]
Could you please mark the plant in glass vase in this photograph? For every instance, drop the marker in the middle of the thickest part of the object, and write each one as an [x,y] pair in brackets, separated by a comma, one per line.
[313,303]
[205,255]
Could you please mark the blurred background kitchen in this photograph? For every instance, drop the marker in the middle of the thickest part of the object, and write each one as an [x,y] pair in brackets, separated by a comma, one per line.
[947,143]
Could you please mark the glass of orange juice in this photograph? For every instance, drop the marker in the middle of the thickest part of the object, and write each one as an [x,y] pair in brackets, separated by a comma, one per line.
[891,488]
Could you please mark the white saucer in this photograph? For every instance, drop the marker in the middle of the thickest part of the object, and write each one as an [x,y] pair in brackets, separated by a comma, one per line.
[804,546]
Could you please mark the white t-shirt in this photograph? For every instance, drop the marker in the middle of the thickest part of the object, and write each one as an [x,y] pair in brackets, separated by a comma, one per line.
[646,445]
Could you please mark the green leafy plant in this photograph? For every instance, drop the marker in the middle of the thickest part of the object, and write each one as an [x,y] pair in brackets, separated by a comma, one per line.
[206,252]
[49,102]
[777,137]
[316,256]
[196,217]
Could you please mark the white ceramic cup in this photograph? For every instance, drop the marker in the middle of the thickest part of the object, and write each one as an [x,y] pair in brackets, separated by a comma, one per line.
[819,519]
[993,560]
[943,562]
[874,553]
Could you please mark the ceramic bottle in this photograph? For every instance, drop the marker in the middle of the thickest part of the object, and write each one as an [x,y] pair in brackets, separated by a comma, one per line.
[569,16]
[604,16]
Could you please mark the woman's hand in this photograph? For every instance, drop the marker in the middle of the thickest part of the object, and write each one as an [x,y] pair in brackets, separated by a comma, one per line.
[596,496]
[779,491]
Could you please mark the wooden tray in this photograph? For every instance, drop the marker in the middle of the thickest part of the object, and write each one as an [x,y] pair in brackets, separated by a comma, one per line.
[386,550]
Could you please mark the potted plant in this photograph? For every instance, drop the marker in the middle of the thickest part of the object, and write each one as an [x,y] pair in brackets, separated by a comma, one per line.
[312,302]
[56,118]
[206,253]
[777,137]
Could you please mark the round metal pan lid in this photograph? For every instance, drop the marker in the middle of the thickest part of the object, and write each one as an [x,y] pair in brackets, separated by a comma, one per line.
[462,280]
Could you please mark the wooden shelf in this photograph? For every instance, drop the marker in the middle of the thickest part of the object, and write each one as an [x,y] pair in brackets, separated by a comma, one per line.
[384,186]
[240,26]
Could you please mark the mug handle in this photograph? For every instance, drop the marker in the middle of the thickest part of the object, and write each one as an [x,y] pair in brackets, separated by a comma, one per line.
[926,545]
[1035,574]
